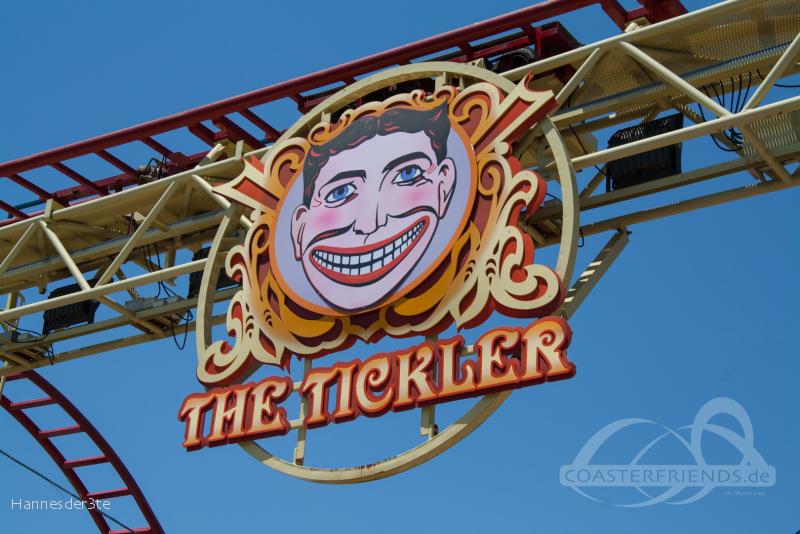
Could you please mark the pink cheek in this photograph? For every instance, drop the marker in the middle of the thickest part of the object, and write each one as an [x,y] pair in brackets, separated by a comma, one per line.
[327,219]
[420,196]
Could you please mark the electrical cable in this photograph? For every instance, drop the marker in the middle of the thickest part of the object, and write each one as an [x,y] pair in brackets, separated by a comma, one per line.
[580,230]
[716,142]
[155,169]
[185,318]
[62,488]
[584,149]
[731,134]
[39,337]
[569,103]
[739,94]
[785,86]
[734,136]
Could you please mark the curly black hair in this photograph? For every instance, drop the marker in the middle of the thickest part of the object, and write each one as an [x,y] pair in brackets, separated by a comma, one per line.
[434,122]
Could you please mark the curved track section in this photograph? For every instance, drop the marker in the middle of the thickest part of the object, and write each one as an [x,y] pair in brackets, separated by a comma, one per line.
[71,467]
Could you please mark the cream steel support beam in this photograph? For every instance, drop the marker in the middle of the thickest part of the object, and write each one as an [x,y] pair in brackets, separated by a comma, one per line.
[689,132]
[184,230]
[99,348]
[648,188]
[96,292]
[227,167]
[64,255]
[137,235]
[764,152]
[676,81]
[593,184]
[18,246]
[122,310]
[672,79]
[78,275]
[593,273]
[788,57]
[583,71]
[113,323]
[302,431]
[13,358]
[697,119]
[688,205]
[427,414]
[224,203]
[644,33]
[11,301]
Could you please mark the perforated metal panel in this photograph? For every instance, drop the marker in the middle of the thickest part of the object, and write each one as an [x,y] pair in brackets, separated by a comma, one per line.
[780,134]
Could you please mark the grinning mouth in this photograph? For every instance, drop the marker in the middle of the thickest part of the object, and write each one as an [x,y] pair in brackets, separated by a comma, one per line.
[367,263]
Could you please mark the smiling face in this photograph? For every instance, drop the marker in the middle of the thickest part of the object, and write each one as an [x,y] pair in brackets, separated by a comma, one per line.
[370,214]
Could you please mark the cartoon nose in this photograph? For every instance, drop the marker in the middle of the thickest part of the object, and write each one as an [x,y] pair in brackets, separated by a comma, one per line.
[365,222]
[369,220]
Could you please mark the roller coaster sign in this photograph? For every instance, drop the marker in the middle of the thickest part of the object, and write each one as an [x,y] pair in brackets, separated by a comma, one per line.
[399,218]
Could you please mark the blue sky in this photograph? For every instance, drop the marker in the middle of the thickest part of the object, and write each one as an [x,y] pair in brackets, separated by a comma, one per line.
[699,306]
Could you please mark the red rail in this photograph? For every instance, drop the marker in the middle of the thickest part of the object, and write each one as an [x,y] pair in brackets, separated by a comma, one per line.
[70,467]
[456,45]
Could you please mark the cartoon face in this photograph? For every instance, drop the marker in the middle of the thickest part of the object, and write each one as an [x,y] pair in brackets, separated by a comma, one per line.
[374,210]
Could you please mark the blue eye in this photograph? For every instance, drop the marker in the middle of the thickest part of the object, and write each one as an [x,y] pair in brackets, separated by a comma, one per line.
[340,193]
[408,175]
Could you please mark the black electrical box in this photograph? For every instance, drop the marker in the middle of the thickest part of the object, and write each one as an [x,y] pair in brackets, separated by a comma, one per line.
[70,314]
[647,166]
[196,278]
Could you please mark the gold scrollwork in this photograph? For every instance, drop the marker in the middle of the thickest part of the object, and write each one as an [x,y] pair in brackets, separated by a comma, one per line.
[489,266]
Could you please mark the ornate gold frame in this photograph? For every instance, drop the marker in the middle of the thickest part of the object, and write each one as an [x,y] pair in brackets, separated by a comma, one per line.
[507,257]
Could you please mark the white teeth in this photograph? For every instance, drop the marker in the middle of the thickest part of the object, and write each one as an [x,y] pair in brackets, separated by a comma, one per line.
[366,263]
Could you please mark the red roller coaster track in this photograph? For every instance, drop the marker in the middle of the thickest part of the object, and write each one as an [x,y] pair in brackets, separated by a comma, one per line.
[481,40]
[71,467]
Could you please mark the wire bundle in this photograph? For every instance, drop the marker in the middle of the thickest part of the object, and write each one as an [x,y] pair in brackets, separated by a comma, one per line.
[184,318]
[39,337]
[735,105]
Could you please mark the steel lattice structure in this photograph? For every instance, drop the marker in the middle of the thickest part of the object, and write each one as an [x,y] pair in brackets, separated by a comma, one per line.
[109,235]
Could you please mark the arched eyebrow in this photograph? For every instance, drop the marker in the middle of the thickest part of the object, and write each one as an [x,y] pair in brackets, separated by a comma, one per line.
[402,159]
[344,175]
